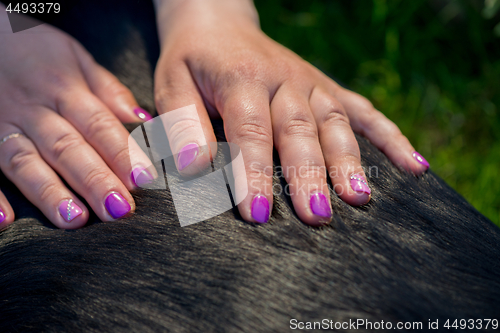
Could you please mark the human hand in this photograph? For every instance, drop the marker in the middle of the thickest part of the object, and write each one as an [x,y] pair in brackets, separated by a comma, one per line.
[215,56]
[69,111]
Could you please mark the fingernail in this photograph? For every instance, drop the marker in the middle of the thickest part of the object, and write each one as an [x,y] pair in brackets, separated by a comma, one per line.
[187,155]
[359,184]
[260,209]
[69,210]
[143,114]
[140,176]
[420,159]
[319,205]
[116,205]
[2,216]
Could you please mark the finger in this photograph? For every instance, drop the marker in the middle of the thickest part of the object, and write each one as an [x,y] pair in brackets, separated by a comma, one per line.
[118,98]
[105,133]
[340,148]
[247,123]
[6,212]
[185,118]
[66,151]
[296,139]
[382,132]
[21,163]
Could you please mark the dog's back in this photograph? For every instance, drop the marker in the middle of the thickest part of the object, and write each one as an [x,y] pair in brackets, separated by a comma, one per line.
[417,252]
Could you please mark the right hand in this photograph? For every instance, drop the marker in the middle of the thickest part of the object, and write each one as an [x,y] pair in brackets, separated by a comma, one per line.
[69,110]
[214,55]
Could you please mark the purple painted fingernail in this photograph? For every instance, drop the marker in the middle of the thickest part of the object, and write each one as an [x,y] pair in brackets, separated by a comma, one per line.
[420,159]
[143,114]
[319,205]
[187,155]
[2,216]
[359,184]
[260,209]
[116,205]
[140,176]
[69,210]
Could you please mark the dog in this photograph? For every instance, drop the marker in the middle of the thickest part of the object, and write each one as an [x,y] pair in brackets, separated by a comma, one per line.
[417,256]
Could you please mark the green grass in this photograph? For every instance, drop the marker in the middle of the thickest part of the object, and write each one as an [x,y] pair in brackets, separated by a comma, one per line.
[434,71]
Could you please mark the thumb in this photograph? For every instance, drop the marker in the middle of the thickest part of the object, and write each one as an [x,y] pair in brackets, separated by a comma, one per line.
[184,116]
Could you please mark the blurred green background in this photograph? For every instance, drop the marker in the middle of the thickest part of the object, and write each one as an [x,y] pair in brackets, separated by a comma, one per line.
[432,66]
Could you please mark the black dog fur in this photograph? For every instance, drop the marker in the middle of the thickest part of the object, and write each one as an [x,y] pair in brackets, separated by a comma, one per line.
[417,252]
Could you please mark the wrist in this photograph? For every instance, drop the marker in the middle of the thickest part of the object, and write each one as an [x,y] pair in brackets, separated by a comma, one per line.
[183,15]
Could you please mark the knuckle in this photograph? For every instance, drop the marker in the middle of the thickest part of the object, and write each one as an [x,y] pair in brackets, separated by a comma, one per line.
[94,178]
[161,89]
[289,70]
[249,69]
[99,122]
[392,140]
[365,104]
[362,102]
[80,49]
[255,132]
[385,144]
[257,169]
[46,190]
[349,156]
[376,119]
[20,158]
[20,94]
[169,79]
[121,156]
[64,143]
[179,129]
[300,127]
[115,88]
[57,79]
[161,96]
[400,137]
[334,114]
[373,114]
[373,117]
[309,171]
[168,98]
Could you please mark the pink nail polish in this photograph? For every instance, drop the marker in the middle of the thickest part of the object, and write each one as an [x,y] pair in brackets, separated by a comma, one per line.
[319,205]
[116,205]
[140,176]
[142,114]
[359,184]
[187,155]
[69,210]
[420,159]
[2,216]
[260,209]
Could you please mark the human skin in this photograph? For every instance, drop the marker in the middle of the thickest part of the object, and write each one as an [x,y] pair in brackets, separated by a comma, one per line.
[214,55]
[70,111]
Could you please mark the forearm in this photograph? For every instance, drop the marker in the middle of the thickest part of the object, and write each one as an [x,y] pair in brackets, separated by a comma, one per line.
[182,15]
